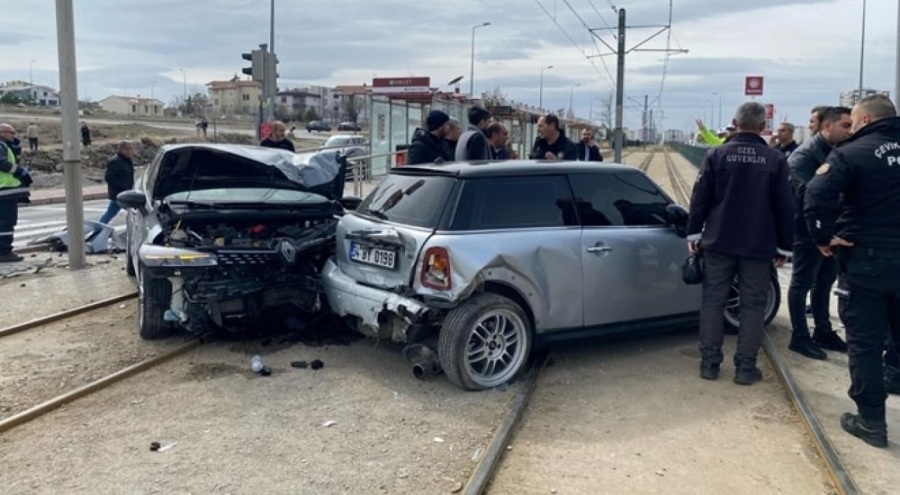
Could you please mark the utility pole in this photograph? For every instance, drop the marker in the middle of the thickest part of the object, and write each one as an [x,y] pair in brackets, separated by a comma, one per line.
[862,51]
[620,53]
[620,89]
[68,95]
[271,102]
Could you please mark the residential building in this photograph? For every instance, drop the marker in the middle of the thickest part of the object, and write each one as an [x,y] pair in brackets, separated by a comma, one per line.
[132,105]
[849,98]
[42,96]
[235,97]
[350,99]
[676,135]
[294,103]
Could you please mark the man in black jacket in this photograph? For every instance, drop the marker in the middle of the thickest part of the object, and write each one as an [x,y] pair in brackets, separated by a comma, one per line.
[552,143]
[742,208]
[278,138]
[587,150]
[813,273]
[119,177]
[852,209]
[473,144]
[428,145]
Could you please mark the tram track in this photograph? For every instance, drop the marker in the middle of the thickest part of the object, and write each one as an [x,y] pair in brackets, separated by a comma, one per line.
[831,462]
[47,406]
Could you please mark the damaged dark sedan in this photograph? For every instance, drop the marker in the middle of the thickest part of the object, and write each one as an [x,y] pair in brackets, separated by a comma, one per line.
[218,234]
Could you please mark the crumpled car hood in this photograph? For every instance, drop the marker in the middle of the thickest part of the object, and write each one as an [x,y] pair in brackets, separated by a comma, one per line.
[194,167]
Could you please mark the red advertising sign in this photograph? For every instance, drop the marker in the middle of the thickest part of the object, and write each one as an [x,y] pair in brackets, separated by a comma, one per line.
[753,85]
[401,86]
[770,119]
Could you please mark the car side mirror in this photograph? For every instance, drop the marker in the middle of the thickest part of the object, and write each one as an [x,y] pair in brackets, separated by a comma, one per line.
[678,218]
[350,202]
[133,199]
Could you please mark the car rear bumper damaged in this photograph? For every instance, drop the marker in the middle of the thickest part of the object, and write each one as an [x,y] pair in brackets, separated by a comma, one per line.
[377,312]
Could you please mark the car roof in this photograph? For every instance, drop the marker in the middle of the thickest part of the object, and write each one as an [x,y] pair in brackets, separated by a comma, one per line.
[510,168]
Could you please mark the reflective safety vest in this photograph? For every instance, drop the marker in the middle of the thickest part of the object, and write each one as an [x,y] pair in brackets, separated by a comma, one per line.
[7,180]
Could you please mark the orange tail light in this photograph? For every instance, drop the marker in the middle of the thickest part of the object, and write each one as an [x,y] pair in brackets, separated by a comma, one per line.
[436,269]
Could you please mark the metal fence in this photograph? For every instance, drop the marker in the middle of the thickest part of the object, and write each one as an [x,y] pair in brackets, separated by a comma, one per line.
[694,154]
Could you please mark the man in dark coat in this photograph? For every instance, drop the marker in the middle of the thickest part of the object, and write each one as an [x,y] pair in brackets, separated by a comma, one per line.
[119,177]
[277,139]
[552,143]
[588,151]
[428,145]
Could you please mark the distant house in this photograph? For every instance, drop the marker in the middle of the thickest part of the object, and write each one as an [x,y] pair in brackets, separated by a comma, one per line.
[293,103]
[43,96]
[128,105]
[234,97]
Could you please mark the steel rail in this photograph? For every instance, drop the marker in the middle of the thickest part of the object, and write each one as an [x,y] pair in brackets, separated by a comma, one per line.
[43,408]
[28,325]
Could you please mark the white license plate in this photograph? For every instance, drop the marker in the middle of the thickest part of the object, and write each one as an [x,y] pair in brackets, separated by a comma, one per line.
[384,258]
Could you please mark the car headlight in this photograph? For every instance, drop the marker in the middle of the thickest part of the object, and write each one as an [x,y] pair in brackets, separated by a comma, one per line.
[175,257]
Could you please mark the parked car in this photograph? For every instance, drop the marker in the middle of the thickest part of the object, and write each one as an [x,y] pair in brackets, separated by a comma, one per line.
[217,234]
[349,126]
[351,145]
[473,265]
[318,126]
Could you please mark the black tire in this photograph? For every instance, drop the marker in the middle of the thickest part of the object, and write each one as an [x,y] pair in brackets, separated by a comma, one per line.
[773,302]
[459,329]
[154,297]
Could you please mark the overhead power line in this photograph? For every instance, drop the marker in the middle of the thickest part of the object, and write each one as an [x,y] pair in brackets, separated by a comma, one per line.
[571,40]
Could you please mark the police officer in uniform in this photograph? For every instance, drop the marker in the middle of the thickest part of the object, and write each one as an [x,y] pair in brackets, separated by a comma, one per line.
[14,180]
[853,210]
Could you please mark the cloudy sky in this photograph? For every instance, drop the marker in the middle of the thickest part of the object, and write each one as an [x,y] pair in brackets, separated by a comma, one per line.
[808,50]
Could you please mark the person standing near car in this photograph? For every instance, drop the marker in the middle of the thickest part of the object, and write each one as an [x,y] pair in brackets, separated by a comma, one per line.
[784,141]
[473,144]
[498,136]
[552,143]
[278,138]
[14,182]
[588,151]
[742,209]
[454,131]
[813,273]
[119,177]
[853,210]
[429,145]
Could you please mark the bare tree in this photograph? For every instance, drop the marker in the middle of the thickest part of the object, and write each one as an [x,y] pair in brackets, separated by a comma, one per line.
[351,106]
[606,110]
[494,97]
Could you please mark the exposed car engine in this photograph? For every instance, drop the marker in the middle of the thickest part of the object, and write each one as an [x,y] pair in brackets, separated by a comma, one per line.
[264,259]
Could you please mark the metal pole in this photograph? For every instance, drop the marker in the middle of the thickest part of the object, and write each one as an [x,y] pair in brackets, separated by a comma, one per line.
[541,93]
[271,105]
[472,66]
[862,51]
[719,121]
[68,95]
[30,72]
[620,87]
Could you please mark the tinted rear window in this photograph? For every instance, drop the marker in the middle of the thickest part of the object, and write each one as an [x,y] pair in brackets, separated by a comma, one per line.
[408,200]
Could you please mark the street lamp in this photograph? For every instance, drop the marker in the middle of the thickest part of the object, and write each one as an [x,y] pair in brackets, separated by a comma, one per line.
[541,97]
[184,88]
[30,76]
[862,50]
[571,96]
[591,114]
[472,66]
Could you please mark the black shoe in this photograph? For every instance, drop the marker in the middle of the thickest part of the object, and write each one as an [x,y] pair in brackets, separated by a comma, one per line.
[874,435]
[808,348]
[830,340]
[709,371]
[747,376]
[10,258]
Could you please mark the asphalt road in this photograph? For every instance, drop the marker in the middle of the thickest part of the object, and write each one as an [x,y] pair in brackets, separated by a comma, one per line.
[37,222]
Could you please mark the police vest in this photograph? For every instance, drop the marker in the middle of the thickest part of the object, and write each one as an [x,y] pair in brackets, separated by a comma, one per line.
[7,180]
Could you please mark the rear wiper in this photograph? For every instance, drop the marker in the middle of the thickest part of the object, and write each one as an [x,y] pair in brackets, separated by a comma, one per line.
[377,214]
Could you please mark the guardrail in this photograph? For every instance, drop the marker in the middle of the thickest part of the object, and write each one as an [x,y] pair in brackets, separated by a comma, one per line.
[361,167]
[693,154]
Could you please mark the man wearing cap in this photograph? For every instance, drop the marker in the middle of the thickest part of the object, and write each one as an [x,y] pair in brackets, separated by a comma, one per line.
[473,144]
[428,145]
[714,139]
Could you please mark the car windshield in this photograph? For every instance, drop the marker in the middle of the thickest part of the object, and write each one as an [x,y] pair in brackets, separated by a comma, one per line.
[246,195]
[408,200]
[337,141]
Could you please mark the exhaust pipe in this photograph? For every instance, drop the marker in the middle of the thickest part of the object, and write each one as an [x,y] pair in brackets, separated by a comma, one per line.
[424,359]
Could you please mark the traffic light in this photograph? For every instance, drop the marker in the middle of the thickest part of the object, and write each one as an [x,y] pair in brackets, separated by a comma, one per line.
[271,74]
[256,65]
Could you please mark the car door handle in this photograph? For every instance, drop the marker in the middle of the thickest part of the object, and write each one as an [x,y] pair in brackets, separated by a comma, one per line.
[599,249]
